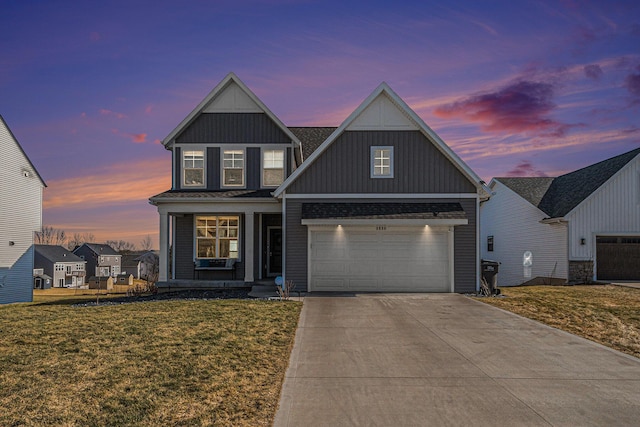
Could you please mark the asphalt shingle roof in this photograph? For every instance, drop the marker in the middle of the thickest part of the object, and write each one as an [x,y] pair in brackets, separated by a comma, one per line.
[561,195]
[382,211]
[102,249]
[190,194]
[311,137]
[55,253]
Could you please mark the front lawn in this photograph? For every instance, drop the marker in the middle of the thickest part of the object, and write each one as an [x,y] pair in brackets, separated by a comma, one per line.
[609,315]
[175,362]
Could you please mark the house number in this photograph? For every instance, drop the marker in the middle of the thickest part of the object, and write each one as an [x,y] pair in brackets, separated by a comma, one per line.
[381,227]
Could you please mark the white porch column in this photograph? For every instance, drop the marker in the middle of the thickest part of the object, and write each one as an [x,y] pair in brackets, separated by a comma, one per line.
[163,268]
[249,237]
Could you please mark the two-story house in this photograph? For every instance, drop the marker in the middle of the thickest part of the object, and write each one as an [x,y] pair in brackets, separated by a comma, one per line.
[20,217]
[379,203]
[64,267]
[102,260]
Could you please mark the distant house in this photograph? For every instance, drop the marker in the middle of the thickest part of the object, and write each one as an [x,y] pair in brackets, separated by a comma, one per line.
[102,260]
[41,280]
[581,226]
[20,216]
[140,263]
[64,267]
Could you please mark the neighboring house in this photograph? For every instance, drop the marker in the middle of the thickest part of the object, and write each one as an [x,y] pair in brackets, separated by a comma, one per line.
[380,203]
[64,267]
[41,280]
[581,226]
[141,264]
[20,217]
[102,260]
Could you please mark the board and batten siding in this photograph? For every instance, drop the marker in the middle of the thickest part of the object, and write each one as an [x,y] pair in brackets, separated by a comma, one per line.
[419,167]
[613,209]
[465,252]
[515,226]
[232,128]
[20,216]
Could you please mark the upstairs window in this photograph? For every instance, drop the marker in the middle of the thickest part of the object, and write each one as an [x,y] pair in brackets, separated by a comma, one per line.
[272,167]
[233,168]
[193,168]
[217,236]
[381,162]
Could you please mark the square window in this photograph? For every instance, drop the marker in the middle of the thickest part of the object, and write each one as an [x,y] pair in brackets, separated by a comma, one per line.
[217,236]
[381,162]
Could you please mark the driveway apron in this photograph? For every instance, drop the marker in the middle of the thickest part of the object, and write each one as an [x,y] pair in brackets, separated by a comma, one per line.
[444,359]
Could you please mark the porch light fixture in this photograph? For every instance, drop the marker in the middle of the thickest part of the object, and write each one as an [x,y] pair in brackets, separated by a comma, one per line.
[582,241]
[11,243]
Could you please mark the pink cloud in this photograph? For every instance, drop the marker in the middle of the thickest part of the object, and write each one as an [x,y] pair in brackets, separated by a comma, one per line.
[593,71]
[632,83]
[522,106]
[525,168]
[136,138]
[117,184]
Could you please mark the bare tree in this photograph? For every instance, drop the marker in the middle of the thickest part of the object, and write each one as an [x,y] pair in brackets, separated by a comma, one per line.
[50,236]
[146,243]
[121,245]
[78,239]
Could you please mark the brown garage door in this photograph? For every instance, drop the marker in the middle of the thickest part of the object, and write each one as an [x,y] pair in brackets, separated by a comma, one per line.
[618,258]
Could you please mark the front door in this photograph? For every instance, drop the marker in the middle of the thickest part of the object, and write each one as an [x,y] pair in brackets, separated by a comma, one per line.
[274,251]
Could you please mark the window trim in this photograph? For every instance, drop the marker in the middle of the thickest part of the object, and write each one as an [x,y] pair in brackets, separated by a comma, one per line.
[372,161]
[217,216]
[244,167]
[183,152]
[262,168]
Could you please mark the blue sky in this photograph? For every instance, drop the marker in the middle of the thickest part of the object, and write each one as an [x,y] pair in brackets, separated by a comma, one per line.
[514,87]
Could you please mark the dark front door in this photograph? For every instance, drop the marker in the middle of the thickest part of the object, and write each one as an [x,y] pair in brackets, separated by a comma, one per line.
[274,251]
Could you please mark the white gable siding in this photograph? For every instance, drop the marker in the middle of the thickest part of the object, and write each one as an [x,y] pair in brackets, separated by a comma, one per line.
[382,114]
[20,217]
[612,209]
[515,225]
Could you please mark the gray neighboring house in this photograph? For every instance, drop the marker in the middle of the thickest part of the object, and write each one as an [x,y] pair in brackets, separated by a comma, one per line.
[379,203]
[102,260]
[64,267]
[578,227]
[21,190]
[141,264]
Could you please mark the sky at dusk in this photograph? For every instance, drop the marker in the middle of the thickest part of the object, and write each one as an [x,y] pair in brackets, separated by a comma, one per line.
[515,88]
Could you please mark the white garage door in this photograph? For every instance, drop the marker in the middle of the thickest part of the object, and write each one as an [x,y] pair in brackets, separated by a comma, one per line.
[382,259]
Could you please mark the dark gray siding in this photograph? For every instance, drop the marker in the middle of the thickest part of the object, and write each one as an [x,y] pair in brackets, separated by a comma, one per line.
[465,249]
[254,168]
[213,168]
[177,168]
[183,243]
[233,128]
[419,167]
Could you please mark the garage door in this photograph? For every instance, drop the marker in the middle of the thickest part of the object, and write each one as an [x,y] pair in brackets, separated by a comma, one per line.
[618,258]
[379,259]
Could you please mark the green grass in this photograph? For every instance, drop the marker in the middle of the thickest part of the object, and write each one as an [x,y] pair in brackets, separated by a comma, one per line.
[609,315]
[191,363]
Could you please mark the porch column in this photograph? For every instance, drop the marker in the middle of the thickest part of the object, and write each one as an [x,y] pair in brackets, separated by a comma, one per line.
[163,267]
[249,237]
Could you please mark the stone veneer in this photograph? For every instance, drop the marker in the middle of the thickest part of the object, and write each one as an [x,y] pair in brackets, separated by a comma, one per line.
[580,272]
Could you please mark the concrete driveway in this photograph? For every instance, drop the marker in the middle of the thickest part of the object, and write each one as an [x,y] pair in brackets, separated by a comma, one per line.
[443,359]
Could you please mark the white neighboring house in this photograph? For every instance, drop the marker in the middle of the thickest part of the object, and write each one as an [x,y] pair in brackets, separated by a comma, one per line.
[20,216]
[581,226]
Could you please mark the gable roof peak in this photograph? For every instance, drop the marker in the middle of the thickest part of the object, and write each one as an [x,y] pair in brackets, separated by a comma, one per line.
[243,99]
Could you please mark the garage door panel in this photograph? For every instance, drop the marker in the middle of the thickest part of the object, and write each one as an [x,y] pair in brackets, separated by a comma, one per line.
[362,259]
